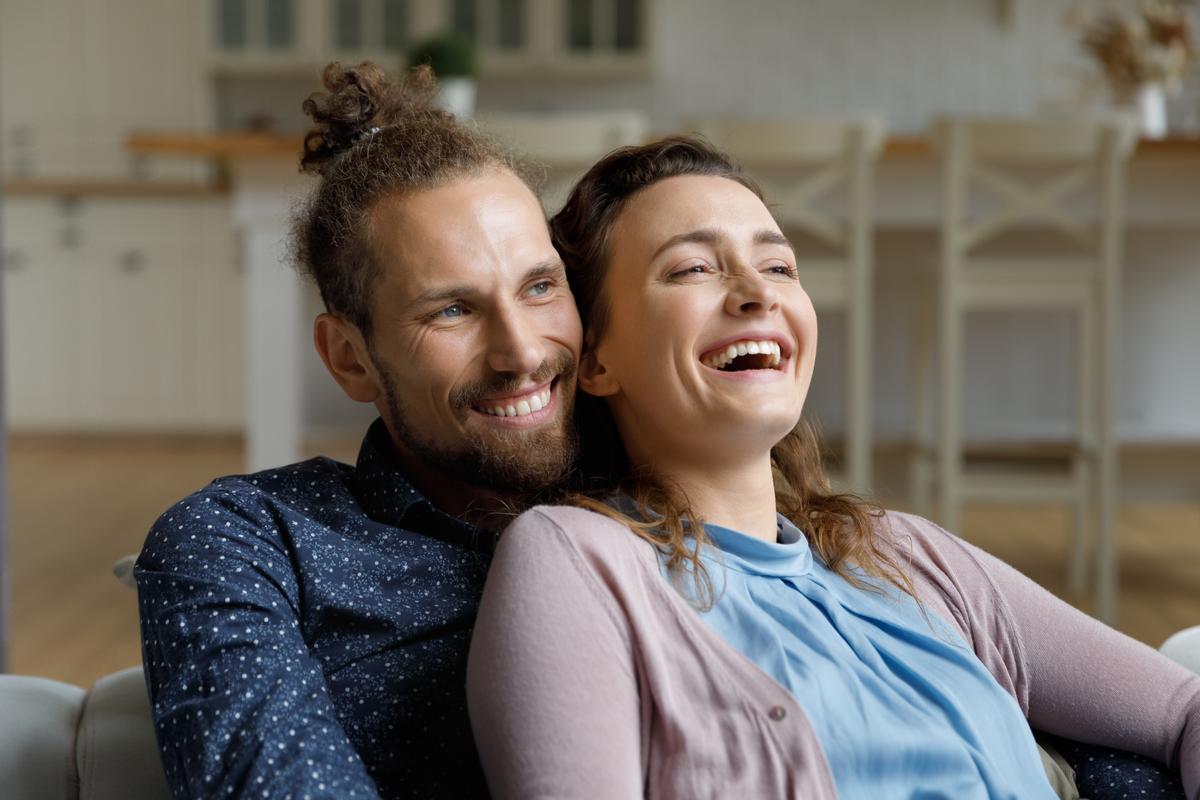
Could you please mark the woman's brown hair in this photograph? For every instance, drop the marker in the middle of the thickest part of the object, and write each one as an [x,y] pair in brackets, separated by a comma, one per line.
[839,526]
[374,137]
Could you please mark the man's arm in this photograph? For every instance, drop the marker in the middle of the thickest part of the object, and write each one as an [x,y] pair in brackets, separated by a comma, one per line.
[240,706]
[1077,677]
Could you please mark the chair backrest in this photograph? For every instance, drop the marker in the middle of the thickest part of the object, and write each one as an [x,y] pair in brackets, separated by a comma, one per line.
[797,161]
[567,139]
[1034,168]
[765,143]
[566,143]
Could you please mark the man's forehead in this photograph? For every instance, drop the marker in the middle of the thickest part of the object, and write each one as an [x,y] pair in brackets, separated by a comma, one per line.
[485,230]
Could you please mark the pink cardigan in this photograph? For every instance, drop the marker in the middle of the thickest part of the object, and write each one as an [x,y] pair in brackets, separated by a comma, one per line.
[589,677]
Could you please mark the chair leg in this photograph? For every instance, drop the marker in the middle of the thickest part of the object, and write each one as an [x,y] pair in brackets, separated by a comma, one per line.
[1078,566]
[950,438]
[920,474]
[858,395]
[1084,461]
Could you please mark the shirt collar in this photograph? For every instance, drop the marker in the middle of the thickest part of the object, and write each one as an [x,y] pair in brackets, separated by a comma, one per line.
[788,556]
[387,496]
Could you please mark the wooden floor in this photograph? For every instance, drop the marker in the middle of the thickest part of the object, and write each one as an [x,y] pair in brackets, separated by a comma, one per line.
[76,505]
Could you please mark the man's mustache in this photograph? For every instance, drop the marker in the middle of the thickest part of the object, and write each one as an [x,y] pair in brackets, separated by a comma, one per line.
[465,397]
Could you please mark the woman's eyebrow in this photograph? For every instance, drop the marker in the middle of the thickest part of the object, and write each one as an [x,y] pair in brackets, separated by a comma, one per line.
[701,235]
[712,236]
[767,236]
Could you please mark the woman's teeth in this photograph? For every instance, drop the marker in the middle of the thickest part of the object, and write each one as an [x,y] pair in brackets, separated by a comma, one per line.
[526,405]
[722,358]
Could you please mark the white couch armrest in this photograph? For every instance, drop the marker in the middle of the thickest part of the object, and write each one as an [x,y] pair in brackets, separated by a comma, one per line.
[1184,647]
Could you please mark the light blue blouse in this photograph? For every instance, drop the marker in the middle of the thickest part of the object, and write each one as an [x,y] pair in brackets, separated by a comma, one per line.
[901,705]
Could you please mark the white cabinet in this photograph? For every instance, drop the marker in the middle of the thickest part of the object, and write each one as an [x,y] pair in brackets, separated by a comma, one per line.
[122,315]
[528,38]
[42,364]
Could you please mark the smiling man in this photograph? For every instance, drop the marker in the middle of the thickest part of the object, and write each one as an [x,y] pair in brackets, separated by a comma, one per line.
[305,629]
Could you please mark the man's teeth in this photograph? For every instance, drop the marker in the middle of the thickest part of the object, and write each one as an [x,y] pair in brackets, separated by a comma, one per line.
[527,405]
[722,358]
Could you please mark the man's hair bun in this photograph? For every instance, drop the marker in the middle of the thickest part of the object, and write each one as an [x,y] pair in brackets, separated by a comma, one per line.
[359,101]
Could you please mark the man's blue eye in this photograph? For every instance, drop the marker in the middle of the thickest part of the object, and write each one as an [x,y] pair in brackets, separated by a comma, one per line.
[452,312]
[540,288]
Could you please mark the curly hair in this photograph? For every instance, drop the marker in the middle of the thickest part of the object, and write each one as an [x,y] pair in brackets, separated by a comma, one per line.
[839,526]
[375,137]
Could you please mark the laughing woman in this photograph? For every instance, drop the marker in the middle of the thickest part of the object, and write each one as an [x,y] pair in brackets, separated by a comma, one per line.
[709,620]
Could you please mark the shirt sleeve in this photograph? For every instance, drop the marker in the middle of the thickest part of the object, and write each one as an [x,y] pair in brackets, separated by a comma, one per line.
[1073,675]
[240,706]
[551,686]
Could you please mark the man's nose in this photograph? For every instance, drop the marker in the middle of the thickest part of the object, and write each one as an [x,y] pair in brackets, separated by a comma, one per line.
[513,345]
[750,293]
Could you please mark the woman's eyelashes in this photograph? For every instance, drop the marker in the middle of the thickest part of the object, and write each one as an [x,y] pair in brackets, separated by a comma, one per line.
[692,269]
[783,269]
[775,269]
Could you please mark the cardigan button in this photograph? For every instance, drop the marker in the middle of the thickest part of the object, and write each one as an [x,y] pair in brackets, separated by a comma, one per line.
[777,713]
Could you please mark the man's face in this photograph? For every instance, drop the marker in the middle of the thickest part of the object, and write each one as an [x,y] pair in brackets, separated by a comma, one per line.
[475,334]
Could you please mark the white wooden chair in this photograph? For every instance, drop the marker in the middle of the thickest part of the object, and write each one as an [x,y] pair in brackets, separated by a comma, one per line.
[797,162]
[566,143]
[1037,174]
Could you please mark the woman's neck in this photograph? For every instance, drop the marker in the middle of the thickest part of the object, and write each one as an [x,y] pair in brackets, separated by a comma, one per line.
[737,496]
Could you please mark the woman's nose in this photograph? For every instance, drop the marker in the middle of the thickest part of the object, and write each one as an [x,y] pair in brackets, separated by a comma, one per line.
[751,293]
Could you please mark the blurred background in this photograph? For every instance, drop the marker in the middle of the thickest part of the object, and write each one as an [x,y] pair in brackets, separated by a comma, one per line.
[154,337]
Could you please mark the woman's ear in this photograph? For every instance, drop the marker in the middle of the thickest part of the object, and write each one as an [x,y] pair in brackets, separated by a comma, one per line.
[344,351]
[594,378]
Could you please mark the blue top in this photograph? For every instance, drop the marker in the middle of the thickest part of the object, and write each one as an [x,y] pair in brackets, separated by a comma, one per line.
[305,633]
[898,703]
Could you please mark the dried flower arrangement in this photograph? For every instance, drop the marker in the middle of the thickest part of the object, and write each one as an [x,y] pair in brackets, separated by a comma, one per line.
[1153,46]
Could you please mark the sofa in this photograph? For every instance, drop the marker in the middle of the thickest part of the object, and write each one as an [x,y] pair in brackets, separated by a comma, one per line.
[60,741]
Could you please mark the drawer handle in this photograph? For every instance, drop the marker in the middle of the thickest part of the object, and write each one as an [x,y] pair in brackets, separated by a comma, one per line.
[132,262]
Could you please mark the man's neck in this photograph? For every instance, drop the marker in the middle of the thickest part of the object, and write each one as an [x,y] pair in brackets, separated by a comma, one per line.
[483,507]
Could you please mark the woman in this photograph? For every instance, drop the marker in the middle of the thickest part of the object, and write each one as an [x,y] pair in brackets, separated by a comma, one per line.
[724,626]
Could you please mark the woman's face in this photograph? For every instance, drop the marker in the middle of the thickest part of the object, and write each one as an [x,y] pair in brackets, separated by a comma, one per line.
[709,347]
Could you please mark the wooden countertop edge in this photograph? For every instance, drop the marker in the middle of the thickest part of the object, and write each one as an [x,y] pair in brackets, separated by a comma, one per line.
[225,145]
[110,187]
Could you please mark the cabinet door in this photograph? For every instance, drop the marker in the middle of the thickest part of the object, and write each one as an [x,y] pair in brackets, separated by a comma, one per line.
[137,321]
[43,384]
[216,346]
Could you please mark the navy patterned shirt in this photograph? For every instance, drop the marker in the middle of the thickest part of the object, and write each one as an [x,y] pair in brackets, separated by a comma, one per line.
[305,634]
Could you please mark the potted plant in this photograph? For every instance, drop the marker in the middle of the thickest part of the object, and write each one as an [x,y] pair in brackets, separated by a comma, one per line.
[452,59]
[1143,56]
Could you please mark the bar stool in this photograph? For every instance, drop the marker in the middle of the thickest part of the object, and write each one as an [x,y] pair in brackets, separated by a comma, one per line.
[797,162]
[1067,158]
[566,143]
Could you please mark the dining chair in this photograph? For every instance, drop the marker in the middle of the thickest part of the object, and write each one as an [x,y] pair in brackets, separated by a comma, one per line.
[818,178]
[1058,179]
[565,143]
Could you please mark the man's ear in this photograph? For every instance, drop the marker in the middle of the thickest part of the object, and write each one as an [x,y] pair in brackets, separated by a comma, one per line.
[594,378]
[344,350]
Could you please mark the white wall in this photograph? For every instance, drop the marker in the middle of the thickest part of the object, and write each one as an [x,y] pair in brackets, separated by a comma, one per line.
[909,59]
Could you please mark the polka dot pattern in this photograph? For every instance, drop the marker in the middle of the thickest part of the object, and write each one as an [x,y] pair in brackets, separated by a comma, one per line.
[1102,773]
[305,633]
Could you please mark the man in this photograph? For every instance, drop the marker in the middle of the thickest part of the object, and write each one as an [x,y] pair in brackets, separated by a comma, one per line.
[305,629]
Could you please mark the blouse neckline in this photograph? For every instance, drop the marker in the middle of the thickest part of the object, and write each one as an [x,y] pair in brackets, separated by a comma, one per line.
[788,556]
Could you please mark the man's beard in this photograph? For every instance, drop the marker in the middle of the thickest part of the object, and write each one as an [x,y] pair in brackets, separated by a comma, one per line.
[522,462]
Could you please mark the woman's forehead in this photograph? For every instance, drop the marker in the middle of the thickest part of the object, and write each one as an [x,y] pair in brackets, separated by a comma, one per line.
[684,203]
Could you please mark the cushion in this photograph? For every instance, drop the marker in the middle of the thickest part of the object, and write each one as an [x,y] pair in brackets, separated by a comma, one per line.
[38,718]
[116,754]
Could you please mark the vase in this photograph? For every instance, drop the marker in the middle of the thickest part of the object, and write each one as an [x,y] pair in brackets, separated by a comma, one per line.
[457,95]
[1151,106]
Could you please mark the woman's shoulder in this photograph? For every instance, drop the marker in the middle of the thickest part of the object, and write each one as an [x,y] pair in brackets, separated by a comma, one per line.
[559,531]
